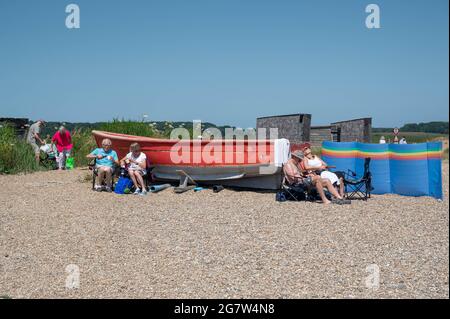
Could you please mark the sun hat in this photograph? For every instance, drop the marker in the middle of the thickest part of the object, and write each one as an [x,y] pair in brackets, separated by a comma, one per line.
[298,154]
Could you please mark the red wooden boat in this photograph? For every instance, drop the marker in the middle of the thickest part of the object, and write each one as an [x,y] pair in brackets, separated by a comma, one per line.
[239,163]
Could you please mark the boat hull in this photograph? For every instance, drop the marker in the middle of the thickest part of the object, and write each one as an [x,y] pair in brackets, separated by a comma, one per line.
[245,176]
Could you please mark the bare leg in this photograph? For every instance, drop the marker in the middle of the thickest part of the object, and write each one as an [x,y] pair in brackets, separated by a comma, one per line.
[341,188]
[108,176]
[318,184]
[100,176]
[327,183]
[133,178]
[37,153]
[140,180]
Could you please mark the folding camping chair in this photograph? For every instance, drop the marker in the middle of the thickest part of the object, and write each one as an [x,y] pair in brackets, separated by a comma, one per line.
[93,167]
[358,188]
[47,156]
[48,160]
[297,192]
[301,191]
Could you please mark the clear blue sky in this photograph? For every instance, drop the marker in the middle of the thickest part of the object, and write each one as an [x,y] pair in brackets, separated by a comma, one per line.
[225,61]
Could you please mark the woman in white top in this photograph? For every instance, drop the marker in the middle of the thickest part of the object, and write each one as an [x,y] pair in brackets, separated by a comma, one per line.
[136,164]
[314,163]
[382,140]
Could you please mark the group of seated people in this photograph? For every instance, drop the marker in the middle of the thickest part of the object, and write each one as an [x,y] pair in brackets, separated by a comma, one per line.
[311,171]
[106,159]
[302,168]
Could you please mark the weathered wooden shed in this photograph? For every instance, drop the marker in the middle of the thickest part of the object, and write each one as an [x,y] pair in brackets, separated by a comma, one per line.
[297,129]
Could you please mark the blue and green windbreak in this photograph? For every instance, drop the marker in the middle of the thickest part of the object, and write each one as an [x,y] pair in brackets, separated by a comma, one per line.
[404,169]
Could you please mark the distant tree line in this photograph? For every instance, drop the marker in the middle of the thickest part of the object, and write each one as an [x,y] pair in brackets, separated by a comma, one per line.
[162,126]
[429,127]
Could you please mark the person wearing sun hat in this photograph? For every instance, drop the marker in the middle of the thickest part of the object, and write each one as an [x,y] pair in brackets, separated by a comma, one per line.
[296,174]
[291,169]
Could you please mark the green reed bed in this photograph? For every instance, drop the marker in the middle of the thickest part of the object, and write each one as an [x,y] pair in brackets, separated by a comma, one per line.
[131,128]
[15,154]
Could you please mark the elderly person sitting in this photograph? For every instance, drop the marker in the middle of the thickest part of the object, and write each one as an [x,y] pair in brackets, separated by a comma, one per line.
[296,174]
[136,164]
[63,141]
[315,165]
[105,159]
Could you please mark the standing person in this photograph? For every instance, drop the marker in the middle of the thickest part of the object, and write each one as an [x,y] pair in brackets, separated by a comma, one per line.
[382,140]
[105,159]
[63,141]
[136,163]
[34,135]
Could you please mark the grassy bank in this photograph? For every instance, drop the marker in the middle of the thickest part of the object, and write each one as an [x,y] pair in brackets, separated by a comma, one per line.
[131,128]
[83,144]
[15,155]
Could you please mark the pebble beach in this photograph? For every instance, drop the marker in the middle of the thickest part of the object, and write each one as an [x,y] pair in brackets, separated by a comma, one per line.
[232,244]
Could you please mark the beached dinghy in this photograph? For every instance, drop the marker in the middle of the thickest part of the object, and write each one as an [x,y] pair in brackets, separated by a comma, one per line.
[239,163]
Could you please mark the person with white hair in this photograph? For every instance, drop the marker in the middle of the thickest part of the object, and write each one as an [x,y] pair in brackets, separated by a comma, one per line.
[63,141]
[105,158]
[135,162]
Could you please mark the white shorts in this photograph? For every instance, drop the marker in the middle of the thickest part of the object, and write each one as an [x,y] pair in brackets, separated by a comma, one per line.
[138,170]
[104,166]
[331,176]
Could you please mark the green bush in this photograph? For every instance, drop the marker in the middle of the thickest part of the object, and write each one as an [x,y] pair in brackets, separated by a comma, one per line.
[316,150]
[15,154]
[430,127]
[130,127]
[83,143]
